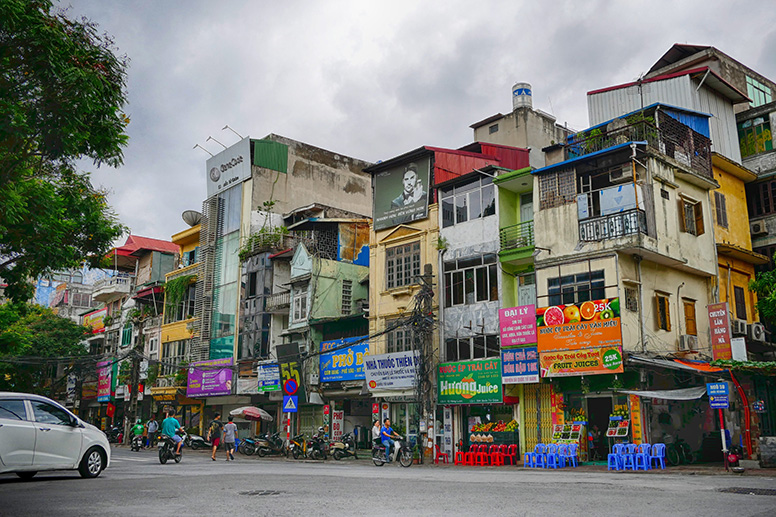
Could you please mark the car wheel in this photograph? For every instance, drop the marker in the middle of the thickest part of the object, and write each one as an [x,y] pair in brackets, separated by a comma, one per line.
[26,475]
[92,463]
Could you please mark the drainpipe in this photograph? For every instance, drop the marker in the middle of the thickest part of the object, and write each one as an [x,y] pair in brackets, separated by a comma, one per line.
[642,332]
[679,312]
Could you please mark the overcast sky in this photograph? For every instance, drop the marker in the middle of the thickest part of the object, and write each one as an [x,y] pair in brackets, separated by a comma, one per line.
[372,79]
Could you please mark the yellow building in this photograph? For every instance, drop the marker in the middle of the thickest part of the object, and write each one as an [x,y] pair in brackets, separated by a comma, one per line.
[736,259]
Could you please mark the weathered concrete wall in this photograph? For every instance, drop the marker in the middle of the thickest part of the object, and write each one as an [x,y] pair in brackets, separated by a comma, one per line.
[768,451]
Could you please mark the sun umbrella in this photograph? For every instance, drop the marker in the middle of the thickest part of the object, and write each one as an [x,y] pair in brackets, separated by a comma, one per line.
[251,413]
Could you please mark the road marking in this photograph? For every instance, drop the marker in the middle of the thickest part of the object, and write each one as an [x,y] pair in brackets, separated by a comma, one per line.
[128,459]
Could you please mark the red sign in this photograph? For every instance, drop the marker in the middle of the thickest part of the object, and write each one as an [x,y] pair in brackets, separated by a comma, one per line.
[111,410]
[719,322]
[326,409]
[375,408]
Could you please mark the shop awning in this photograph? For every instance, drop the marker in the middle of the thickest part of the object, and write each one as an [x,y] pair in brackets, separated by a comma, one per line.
[680,394]
[697,367]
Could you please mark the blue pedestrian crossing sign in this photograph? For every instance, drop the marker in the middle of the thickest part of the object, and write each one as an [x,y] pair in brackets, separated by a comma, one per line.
[290,403]
[719,396]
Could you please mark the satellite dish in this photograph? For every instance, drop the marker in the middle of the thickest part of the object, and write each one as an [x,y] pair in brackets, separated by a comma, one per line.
[191,217]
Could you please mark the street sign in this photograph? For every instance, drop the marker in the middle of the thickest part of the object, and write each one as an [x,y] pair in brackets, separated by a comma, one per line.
[717,388]
[290,403]
[719,401]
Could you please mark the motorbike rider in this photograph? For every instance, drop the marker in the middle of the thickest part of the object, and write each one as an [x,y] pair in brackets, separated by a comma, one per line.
[170,426]
[137,430]
[387,435]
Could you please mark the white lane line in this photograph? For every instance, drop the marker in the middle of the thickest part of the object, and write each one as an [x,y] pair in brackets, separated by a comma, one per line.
[128,459]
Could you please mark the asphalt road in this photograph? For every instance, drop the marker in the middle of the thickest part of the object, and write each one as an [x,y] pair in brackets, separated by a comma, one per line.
[136,484]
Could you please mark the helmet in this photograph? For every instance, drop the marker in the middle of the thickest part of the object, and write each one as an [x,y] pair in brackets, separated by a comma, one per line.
[139,421]
[320,429]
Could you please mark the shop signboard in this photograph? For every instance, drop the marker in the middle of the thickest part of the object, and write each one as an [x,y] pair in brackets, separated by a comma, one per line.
[635,413]
[104,375]
[394,371]
[71,385]
[89,390]
[590,361]
[470,382]
[340,362]
[719,325]
[268,377]
[229,167]
[518,326]
[337,425]
[589,324]
[210,378]
[718,395]
[96,320]
[401,194]
[519,365]
[447,440]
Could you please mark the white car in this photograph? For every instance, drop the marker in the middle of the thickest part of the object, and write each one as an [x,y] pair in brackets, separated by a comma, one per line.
[38,434]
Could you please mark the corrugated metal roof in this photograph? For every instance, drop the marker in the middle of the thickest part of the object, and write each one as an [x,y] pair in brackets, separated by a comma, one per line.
[573,161]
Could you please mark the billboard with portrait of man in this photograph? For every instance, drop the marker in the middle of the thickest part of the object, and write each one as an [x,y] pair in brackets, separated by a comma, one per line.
[401,194]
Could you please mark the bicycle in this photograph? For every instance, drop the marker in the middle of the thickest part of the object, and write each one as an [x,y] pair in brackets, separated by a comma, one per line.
[679,452]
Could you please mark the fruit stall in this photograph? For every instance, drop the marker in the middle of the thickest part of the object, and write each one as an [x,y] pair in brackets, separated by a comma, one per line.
[498,433]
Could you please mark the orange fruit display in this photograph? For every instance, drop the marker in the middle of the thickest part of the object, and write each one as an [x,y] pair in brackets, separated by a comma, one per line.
[571,313]
[587,310]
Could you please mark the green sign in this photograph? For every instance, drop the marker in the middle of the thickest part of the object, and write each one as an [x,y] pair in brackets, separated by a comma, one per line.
[470,382]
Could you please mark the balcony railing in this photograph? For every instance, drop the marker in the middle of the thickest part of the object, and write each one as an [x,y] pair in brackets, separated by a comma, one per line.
[278,302]
[519,235]
[107,287]
[612,226]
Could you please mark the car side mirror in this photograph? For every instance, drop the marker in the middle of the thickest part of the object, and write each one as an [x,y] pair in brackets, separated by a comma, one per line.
[75,423]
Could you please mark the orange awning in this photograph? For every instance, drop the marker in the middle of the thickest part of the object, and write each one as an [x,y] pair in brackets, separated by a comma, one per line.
[700,366]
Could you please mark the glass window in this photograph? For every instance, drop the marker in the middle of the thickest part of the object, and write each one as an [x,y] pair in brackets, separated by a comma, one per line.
[758,92]
[471,280]
[13,410]
[572,289]
[740,299]
[398,340]
[47,414]
[475,347]
[402,265]
[663,312]
[469,201]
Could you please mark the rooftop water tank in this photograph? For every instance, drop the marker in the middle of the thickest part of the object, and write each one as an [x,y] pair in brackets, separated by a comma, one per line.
[521,96]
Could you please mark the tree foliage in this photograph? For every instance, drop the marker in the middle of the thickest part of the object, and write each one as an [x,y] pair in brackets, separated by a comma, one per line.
[35,332]
[764,285]
[62,92]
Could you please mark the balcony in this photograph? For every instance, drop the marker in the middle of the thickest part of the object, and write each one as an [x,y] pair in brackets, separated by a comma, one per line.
[621,224]
[517,236]
[108,289]
[278,303]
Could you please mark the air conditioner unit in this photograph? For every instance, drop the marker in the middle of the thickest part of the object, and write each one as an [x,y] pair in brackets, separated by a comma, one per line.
[757,332]
[758,228]
[621,175]
[738,327]
[688,343]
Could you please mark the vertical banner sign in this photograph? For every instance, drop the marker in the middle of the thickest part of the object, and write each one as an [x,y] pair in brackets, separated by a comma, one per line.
[635,412]
[719,323]
[337,425]
[290,378]
[385,411]
[104,380]
[447,435]
[375,410]
[518,326]
[519,365]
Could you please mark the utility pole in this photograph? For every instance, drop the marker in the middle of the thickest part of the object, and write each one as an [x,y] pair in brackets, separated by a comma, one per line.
[134,377]
[422,333]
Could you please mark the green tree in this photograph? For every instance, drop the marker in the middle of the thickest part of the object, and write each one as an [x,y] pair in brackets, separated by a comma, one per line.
[764,285]
[62,92]
[31,333]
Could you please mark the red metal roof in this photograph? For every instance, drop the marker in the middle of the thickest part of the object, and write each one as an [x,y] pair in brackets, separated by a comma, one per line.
[149,244]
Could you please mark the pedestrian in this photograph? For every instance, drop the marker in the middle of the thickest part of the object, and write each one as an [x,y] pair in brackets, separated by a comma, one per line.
[214,433]
[153,427]
[230,433]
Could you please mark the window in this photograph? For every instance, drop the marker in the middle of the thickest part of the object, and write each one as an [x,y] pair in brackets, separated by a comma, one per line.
[570,289]
[347,296]
[13,410]
[690,324]
[758,92]
[252,284]
[754,136]
[632,299]
[173,354]
[476,347]
[126,335]
[691,217]
[398,340]
[300,303]
[47,414]
[662,311]
[402,265]
[721,206]
[493,129]
[740,298]
[185,308]
[470,201]
[762,198]
[471,280]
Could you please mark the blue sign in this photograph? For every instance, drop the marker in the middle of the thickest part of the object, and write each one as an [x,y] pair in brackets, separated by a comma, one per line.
[290,403]
[717,388]
[343,363]
[519,365]
[719,401]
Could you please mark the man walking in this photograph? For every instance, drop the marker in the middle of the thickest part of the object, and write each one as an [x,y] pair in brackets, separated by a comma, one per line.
[153,427]
[230,433]
[214,434]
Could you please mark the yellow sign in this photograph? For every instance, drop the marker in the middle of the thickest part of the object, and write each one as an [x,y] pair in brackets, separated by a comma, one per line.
[635,411]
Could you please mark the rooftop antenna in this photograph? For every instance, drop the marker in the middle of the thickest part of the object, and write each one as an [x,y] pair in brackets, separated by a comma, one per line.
[208,152]
[232,130]
[216,141]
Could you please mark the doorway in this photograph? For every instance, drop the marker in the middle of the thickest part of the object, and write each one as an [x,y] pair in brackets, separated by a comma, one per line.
[598,411]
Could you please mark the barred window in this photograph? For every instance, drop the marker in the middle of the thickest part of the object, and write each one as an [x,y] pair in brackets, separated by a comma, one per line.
[347,296]
[402,265]
[557,188]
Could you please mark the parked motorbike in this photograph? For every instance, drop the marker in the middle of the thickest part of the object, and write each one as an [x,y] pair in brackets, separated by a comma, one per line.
[137,443]
[167,448]
[317,447]
[735,455]
[196,442]
[115,434]
[401,451]
[270,444]
[298,446]
[247,446]
[344,448]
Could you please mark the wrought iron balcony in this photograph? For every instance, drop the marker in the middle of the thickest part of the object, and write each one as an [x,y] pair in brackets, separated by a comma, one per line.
[519,235]
[612,226]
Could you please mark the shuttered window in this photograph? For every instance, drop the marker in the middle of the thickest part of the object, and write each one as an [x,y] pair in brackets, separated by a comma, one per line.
[662,312]
[690,324]
[721,206]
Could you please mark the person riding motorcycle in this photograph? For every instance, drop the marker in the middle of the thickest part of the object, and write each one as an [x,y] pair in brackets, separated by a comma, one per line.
[387,435]
[170,427]
[138,429]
